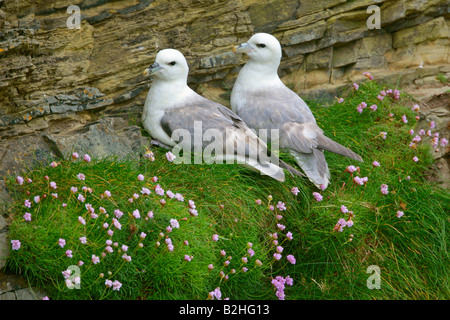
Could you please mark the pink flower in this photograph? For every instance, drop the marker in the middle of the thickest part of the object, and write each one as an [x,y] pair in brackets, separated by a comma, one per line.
[116,224]
[355,86]
[344,209]
[258,201]
[399,214]
[277,256]
[95,259]
[373,107]
[383,93]
[281,206]
[380,97]
[27,203]
[27,216]
[81,176]
[383,134]
[280,226]
[376,163]
[116,285]
[443,142]
[69,254]
[317,196]
[404,119]
[291,258]
[87,158]
[174,223]
[384,189]
[415,159]
[294,191]
[432,124]
[81,198]
[415,107]
[158,190]
[150,214]
[37,199]
[126,257]
[140,177]
[81,220]
[279,249]
[170,194]
[107,194]
[351,169]
[75,155]
[83,240]
[170,157]
[136,214]
[368,75]
[187,257]
[15,244]
[19,180]
[289,235]
[340,100]
[62,243]
[210,266]
[215,237]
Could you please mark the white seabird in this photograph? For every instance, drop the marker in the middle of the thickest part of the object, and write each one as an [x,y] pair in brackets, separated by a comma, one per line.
[172,105]
[261,99]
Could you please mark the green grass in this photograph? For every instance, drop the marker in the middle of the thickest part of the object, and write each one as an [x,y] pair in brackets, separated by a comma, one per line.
[410,251]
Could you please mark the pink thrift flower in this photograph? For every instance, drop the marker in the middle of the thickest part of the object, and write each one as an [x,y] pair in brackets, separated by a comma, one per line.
[432,124]
[399,214]
[19,180]
[83,240]
[351,169]
[291,258]
[75,155]
[355,86]
[81,220]
[37,199]
[380,97]
[62,243]
[140,177]
[136,214]
[344,209]
[170,156]
[277,256]
[415,159]
[15,244]
[215,237]
[27,216]
[69,254]
[294,191]
[317,196]
[53,164]
[368,75]
[27,203]
[415,107]
[281,206]
[210,266]
[384,189]
[81,198]
[95,259]
[404,119]
[187,257]
[376,163]
[116,285]
[81,176]
[383,134]
[443,142]
[258,201]
[373,107]
[174,223]
[289,235]
[340,100]
[87,158]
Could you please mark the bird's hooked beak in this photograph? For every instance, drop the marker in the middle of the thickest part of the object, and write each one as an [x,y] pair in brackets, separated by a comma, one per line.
[243,48]
[154,68]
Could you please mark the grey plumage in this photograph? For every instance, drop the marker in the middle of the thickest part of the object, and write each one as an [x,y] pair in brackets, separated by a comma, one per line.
[264,102]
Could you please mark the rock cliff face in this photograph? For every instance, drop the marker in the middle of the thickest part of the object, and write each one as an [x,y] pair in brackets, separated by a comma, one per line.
[57,81]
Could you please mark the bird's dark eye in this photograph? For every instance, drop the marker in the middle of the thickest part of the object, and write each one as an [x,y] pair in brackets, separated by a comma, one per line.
[261,45]
[172,63]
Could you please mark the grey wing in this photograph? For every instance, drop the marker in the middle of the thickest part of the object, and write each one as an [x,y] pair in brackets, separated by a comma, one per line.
[271,109]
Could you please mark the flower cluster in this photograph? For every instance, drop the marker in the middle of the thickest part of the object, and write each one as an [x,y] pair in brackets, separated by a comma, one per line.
[279,284]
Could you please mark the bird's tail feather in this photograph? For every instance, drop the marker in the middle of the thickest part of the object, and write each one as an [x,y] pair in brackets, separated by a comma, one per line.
[332,146]
[314,165]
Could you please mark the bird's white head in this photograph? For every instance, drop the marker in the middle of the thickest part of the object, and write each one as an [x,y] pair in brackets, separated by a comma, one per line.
[170,65]
[262,48]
